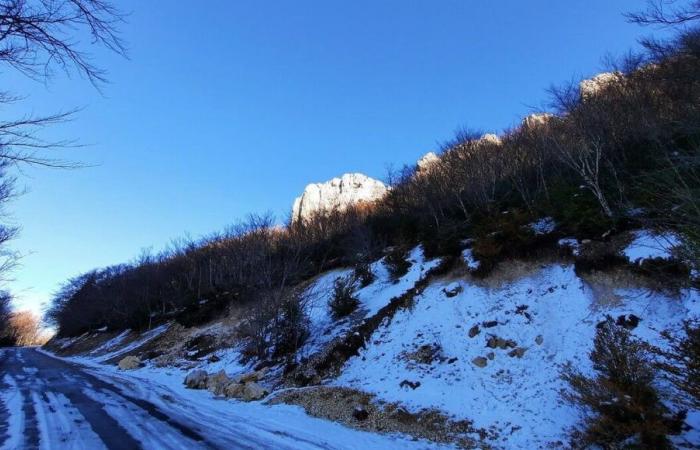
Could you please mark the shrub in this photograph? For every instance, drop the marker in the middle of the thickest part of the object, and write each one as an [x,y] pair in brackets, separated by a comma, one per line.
[291,327]
[621,406]
[343,301]
[681,363]
[363,273]
[397,262]
[276,324]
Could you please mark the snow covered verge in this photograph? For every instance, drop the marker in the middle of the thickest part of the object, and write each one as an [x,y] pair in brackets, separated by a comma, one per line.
[483,357]
[225,423]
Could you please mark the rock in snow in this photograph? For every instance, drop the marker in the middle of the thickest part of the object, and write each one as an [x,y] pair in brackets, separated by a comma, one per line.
[338,193]
[130,363]
[197,379]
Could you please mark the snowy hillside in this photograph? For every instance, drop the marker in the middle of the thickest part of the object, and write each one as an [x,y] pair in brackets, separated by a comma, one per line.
[484,356]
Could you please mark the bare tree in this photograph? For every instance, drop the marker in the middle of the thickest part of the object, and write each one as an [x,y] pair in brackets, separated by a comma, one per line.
[666,13]
[38,37]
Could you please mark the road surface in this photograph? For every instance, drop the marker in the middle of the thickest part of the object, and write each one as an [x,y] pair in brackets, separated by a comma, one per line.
[50,403]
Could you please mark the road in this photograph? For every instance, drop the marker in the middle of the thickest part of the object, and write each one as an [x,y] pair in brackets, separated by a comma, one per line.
[50,403]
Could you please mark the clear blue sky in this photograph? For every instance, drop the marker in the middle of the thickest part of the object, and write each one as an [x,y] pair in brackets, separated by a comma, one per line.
[226,108]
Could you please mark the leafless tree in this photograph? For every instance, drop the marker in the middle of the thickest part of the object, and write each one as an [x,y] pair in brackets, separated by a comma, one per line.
[667,13]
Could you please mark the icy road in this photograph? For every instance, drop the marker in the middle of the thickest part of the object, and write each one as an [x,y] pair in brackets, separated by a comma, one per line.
[51,403]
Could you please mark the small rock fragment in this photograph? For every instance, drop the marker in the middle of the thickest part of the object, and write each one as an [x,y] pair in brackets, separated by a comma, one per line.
[473,331]
[480,361]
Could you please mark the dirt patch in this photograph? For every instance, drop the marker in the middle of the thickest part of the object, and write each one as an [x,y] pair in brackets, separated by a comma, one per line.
[360,410]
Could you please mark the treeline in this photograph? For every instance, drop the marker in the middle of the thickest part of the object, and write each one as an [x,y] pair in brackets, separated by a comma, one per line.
[620,150]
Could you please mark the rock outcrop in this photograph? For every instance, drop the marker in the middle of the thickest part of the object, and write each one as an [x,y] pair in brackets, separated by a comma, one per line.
[426,161]
[536,120]
[592,86]
[337,194]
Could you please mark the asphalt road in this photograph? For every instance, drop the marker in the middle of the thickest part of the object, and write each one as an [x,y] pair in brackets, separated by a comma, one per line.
[63,406]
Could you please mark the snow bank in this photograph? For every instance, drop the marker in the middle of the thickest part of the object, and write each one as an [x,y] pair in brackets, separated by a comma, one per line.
[647,244]
[550,314]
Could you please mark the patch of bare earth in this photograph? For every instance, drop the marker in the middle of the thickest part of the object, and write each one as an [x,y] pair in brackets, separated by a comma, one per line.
[360,410]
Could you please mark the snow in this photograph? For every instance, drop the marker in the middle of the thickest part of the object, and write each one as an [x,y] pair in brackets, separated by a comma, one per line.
[571,243]
[518,397]
[144,338]
[377,295]
[324,328]
[647,244]
[544,225]
[469,259]
[256,425]
[61,425]
[11,398]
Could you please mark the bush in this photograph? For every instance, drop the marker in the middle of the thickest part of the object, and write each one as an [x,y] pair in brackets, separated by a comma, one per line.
[681,363]
[276,324]
[397,263]
[343,301]
[621,406]
[363,273]
[291,329]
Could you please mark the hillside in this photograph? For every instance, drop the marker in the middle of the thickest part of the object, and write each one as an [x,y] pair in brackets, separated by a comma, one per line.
[532,289]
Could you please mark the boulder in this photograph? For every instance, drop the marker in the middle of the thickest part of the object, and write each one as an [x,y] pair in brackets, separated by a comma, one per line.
[337,194]
[217,383]
[196,379]
[253,391]
[234,390]
[539,340]
[130,363]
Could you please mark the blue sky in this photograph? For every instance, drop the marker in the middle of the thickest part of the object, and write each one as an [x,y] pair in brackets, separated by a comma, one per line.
[233,107]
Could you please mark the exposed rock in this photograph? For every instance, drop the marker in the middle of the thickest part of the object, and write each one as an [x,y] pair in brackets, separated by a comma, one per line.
[517,352]
[130,363]
[196,379]
[452,290]
[473,331]
[217,383]
[480,361]
[590,87]
[426,354]
[234,390]
[491,355]
[630,321]
[253,391]
[536,120]
[337,194]
[503,344]
[411,384]
[426,161]
[252,376]
[490,139]
[539,339]
[490,323]
[360,413]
